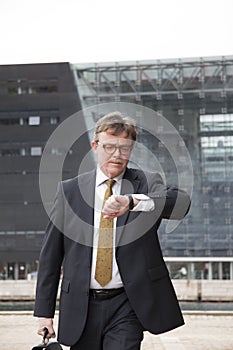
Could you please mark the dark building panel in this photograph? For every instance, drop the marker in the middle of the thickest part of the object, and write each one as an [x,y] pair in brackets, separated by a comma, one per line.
[27,247]
[34,100]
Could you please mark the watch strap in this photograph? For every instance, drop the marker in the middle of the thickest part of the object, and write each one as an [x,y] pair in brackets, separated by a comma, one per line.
[131,202]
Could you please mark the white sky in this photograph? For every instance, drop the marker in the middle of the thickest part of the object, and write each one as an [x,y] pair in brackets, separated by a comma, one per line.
[80,31]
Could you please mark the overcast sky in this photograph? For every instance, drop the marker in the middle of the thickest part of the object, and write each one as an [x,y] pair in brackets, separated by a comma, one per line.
[80,31]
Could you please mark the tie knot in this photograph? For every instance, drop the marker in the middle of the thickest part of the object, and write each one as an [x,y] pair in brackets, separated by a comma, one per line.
[110,183]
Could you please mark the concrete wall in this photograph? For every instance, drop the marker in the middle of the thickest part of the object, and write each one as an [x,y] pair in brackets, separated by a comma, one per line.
[204,290]
[187,290]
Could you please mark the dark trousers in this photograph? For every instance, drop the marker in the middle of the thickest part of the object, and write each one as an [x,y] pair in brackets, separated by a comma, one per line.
[111,325]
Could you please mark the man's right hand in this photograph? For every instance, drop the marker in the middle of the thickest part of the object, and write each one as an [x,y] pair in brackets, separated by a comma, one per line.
[46,323]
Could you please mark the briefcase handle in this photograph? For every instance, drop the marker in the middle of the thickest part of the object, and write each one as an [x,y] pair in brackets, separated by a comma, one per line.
[50,345]
[46,344]
[45,333]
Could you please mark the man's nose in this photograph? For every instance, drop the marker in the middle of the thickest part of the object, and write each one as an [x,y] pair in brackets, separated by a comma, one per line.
[117,152]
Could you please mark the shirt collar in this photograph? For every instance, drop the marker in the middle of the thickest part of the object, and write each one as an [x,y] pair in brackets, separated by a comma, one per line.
[101,177]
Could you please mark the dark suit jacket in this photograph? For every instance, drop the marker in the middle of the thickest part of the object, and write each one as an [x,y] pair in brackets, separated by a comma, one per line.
[138,254]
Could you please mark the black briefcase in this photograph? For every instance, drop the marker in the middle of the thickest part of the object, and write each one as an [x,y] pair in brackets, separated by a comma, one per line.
[46,344]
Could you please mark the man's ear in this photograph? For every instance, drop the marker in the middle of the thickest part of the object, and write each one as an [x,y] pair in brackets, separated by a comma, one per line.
[94,145]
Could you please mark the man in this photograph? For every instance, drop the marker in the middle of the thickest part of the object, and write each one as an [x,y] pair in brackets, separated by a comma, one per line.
[117,285]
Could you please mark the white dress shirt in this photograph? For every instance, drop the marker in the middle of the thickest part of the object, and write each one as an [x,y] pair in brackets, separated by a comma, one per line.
[145,204]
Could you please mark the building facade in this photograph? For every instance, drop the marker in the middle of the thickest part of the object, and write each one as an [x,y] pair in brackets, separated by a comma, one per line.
[34,100]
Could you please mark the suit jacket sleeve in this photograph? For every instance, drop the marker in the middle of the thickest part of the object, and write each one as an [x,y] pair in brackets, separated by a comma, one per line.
[50,262]
[170,201]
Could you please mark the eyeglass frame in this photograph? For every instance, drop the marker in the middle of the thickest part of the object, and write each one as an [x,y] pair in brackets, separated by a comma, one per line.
[115,148]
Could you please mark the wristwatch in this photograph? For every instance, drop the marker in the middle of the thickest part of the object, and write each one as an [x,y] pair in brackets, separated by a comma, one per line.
[131,202]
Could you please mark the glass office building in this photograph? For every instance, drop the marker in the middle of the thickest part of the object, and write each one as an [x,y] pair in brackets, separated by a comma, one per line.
[196,97]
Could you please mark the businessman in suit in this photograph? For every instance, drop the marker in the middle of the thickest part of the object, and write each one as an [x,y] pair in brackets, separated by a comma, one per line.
[115,284]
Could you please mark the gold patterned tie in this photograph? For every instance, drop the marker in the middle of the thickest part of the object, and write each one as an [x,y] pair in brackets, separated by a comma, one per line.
[103,271]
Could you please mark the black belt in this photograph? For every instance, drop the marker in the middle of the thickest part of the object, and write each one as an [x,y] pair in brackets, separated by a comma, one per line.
[105,293]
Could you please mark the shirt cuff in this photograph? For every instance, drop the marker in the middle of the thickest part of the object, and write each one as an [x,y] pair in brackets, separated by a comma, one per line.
[145,204]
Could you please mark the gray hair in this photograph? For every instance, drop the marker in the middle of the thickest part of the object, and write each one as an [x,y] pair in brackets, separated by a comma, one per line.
[115,123]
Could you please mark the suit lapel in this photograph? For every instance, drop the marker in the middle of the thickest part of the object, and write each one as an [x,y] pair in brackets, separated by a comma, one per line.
[88,185]
[87,190]
[130,184]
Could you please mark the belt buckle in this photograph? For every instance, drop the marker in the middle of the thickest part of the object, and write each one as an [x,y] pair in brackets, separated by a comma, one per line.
[99,292]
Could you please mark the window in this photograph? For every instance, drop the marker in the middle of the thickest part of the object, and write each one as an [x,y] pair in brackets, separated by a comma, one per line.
[54,120]
[179,270]
[9,121]
[43,86]
[216,142]
[18,151]
[17,87]
[23,86]
[216,122]
[36,151]
[43,89]
[200,270]
[23,118]
[23,152]
[34,120]
[10,152]
[226,270]
[12,90]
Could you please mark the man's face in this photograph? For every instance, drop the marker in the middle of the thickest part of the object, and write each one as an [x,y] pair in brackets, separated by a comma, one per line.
[113,153]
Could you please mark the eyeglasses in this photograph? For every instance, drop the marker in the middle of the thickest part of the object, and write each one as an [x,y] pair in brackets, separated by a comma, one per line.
[111,148]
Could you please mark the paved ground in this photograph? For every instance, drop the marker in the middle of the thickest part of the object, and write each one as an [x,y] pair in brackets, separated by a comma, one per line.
[204,331]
